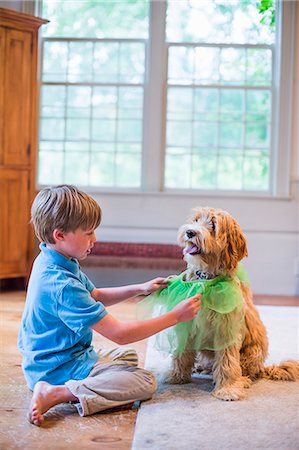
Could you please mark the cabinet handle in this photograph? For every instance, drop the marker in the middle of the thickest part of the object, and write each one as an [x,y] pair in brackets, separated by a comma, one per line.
[28,150]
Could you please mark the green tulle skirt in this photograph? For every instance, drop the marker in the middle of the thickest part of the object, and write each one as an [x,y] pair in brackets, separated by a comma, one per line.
[219,323]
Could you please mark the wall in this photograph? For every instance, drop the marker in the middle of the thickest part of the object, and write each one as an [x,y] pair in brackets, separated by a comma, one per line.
[270,224]
[271,227]
[10,4]
[25,6]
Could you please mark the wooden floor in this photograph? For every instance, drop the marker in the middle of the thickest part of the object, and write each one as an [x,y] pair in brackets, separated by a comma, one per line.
[64,428]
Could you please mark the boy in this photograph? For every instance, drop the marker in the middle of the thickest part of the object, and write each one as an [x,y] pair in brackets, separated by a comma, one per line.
[62,306]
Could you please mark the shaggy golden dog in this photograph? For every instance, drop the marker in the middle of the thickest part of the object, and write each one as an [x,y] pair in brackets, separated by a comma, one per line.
[213,245]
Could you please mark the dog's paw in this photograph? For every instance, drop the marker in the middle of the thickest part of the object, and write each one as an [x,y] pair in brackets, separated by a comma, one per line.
[229,393]
[246,381]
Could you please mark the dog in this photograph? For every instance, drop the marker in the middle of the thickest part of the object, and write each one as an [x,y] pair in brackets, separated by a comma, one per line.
[214,245]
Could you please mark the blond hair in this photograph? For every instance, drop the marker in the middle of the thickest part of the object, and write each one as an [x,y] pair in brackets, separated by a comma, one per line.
[65,208]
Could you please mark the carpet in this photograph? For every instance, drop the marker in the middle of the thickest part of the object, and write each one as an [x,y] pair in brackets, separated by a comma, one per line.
[181,417]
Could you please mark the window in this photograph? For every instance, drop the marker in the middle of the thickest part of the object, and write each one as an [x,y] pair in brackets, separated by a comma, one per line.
[183,95]
[219,96]
[92,93]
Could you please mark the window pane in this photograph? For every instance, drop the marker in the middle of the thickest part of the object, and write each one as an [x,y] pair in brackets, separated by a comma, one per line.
[55,57]
[259,66]
[206,65]
[226,21]
[214,70]
[80,62]
[181,65]
[129,148]
[104,102]
[128,169]
[177,174]
[53,101]
[230,174]
[76,146]
[105,64]
[130,103]
[129,130]
[257,135]
[93,89]
[231,134]
[102,169]
[231,104]
[232,66]
[96,18]
[258,103]
[205,134]
[256,172]
[78,102]
[179,133]
[77,129]
[50,128]
[204,170]
[52,146]
[98,147]
[103,130]
[179,103]
[131,62]
[76,168]
[50,167]
[206,103]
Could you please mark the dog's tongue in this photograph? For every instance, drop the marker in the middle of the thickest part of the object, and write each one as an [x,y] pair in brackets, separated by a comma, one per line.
[192,250]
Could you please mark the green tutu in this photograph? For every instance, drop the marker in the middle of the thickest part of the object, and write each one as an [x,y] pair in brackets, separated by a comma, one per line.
[219,322]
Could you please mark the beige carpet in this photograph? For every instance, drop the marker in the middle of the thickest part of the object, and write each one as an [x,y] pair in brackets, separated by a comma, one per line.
[188,417]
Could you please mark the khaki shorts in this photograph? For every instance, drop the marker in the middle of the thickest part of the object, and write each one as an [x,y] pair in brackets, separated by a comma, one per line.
[113,381]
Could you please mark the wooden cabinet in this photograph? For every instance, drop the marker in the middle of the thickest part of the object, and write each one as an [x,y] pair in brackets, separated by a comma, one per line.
[18,138]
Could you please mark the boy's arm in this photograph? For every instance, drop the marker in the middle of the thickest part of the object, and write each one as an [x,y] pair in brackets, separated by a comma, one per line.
[110,296]
[124,333]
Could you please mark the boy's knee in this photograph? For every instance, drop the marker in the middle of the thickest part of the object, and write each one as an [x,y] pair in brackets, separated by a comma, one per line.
[150,382]
[128,355]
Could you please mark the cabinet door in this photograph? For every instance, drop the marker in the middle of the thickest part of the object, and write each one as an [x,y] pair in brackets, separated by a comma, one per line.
[17,97]
[2,47]
[14,223]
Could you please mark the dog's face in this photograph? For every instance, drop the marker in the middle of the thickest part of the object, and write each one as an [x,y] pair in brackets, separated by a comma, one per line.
[212,240]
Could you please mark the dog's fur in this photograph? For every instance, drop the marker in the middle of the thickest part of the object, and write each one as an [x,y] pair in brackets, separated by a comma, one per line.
[220,246]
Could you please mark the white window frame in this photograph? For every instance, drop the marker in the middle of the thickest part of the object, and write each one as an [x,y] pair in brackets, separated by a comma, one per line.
[93,85]
[156,93]
[154,119]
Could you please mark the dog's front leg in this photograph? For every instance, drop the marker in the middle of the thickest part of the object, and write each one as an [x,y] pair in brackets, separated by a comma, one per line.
[227,375]
[182,366]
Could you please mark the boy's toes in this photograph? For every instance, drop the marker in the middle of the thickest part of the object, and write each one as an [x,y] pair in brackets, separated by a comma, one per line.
[37,419]
[34,416]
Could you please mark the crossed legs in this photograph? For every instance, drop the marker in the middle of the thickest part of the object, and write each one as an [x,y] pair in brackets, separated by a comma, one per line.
[114,380]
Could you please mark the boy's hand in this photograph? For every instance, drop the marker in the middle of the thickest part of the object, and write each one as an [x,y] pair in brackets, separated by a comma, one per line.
[187,309]
[153,285]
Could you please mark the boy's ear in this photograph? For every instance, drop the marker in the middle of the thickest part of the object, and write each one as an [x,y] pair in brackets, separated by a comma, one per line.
[58,235]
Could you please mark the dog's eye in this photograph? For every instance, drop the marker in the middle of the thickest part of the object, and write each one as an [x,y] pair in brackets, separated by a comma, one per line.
[213,225]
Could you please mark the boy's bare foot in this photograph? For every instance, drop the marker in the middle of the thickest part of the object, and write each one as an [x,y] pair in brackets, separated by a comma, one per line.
[45,396]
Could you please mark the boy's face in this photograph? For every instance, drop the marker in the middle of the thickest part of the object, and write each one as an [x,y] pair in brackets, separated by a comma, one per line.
[75,244]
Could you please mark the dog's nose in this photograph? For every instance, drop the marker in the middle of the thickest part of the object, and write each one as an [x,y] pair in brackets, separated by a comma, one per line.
[190,234]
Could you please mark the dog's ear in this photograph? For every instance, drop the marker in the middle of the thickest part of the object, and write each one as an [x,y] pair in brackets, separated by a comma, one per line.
[236,247]
[180,236]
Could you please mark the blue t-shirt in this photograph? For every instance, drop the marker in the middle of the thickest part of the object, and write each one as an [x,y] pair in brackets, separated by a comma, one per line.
[55,334]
